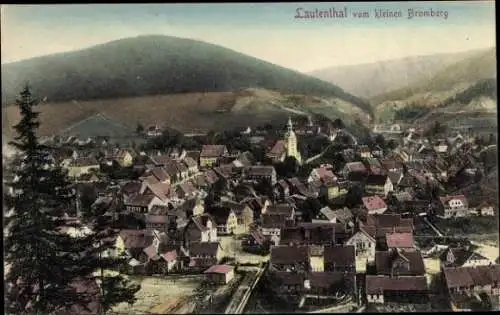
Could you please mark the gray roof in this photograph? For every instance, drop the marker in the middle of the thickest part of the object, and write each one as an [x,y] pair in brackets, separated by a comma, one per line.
[328,213]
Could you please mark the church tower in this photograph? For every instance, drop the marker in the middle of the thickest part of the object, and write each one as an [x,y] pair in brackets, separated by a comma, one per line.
[291,142]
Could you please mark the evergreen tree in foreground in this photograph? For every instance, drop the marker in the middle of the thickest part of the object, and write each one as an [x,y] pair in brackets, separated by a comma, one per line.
[42,260]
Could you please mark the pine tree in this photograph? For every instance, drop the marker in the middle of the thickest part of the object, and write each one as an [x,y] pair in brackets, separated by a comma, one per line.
[43,260]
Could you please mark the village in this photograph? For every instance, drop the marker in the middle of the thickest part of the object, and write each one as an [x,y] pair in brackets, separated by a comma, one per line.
[385,223]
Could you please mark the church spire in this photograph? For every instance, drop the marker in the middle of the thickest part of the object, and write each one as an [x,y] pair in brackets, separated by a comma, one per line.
[290,125]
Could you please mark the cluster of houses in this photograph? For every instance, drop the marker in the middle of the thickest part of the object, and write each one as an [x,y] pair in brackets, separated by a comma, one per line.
[320,256]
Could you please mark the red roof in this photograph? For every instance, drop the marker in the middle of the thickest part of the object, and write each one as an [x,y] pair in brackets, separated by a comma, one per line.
[219,269]
[400,240]
[325,173]
[169,256]
[278,148]
[213,151]
[374,203]
[356,167]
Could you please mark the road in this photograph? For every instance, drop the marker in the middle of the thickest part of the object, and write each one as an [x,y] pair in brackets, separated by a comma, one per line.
[243,292]
[295,111]
[433,227]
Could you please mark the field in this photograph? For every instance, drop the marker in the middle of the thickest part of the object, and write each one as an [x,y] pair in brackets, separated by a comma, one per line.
[161,296]
[186,112]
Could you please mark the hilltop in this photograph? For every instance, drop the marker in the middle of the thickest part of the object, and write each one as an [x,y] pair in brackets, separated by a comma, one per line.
[156,65]
[371,79]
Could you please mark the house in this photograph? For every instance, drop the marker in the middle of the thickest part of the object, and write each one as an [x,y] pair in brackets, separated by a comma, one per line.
[327,214]
[210,177]
[332,189]
[339,259]
[186,190]
[470,280]
[377,151]
[364,151]
[165,192]
[142,204]
[462,257]
[289,258]
[260,173]
[220,274]
[191,164]
[178,170]
[225,219]
[156,222]
[281,190]
[256,242]
[308,235]
[441,146]
[364,245]
[82,165]
[321,174]
[153,131]
[374,204]
[379,225]
[321,232]
[397,262]
[273,223]
[344,217]
[200,229]
[131,188]
[124,157]
[278,152]
[396,240]
[453,206]
[211,154]
[287,209]
[297,187]
[244,160]
[89,178]
[329,284]
[486,209]
[378,184]
[354,171]
[159,173]
[289,284]
[244,214]
[380,289]
[170,257]
[135,241]
[203,255]
[391,165]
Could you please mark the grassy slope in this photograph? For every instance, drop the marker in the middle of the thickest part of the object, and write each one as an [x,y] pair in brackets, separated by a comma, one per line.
[470,70]
[188,112]
[155,65]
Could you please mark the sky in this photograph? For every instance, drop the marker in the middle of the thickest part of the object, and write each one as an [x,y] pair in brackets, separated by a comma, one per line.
[269,31]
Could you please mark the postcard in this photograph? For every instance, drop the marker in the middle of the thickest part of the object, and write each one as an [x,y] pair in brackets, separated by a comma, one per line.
[250,157]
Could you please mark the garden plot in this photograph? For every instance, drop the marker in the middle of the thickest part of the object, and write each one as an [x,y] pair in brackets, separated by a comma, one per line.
[160,295]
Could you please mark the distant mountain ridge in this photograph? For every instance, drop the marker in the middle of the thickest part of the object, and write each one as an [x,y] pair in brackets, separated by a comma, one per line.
[156,65]
[370,79]
[465,88]
[481,65]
